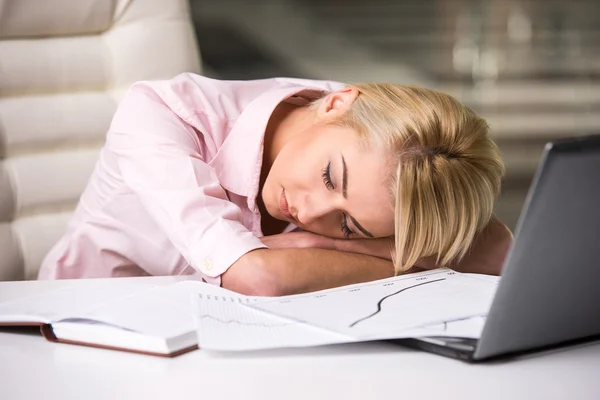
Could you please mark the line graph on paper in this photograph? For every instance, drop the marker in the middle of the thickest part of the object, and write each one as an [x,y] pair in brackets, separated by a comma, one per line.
[226,324]
[403,302]
[243,323]
[470,327]
[380,302]
[381,309]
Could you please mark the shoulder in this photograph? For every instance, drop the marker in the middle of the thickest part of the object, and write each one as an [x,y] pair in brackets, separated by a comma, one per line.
[207,104]
[190,92]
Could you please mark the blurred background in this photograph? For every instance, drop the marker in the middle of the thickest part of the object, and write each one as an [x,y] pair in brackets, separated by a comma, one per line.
[530,67]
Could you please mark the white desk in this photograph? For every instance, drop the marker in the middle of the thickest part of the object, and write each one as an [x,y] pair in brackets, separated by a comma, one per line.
[32,368]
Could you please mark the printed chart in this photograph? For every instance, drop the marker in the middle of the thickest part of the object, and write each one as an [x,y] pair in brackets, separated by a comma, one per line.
[394,307]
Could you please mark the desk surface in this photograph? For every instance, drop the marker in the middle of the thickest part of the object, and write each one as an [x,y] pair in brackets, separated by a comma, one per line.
[31,367]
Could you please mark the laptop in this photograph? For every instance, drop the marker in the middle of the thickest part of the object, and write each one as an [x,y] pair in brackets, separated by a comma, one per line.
[549,291]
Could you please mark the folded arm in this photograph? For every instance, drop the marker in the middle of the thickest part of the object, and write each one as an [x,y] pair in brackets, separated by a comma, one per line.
[487,253]
[278,272]
[306,262]
[485,256]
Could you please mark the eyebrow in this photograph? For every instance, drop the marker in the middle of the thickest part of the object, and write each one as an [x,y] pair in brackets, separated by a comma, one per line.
[345,194]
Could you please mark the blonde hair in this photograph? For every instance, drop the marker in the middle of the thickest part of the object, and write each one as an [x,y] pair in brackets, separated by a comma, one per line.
[447,169]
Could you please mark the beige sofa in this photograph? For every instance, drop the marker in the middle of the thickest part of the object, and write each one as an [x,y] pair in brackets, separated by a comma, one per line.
[63,66]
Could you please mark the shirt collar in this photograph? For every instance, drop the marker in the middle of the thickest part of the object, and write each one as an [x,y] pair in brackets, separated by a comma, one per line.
[239,159]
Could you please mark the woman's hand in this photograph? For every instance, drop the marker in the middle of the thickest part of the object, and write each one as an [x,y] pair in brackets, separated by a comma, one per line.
[486,255]
[489,250]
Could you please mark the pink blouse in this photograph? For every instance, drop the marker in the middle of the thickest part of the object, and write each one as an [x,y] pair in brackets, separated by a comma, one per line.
[174,190]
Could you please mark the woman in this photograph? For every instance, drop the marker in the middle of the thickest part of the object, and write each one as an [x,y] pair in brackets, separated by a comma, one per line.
[281,186]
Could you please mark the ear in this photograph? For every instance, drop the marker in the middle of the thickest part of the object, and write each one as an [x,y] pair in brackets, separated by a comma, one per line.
[337,103]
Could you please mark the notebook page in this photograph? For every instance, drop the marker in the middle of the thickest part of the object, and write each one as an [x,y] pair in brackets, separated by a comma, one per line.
[163,312]
[75,299]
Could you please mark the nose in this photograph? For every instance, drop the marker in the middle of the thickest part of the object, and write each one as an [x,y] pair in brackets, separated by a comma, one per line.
[311,208]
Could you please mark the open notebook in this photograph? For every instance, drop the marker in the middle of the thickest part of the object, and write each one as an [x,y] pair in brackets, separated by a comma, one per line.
[116,314]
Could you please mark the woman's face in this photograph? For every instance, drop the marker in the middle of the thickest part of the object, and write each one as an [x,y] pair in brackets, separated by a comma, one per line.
[323,181]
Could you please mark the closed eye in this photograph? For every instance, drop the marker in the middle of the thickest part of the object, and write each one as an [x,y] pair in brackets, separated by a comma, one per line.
[346,231]
[326,175]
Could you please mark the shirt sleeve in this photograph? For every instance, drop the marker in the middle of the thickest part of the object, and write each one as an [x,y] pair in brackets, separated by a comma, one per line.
[158,147]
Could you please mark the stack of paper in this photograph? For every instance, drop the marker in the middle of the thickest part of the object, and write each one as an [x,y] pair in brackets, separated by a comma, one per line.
[433,303]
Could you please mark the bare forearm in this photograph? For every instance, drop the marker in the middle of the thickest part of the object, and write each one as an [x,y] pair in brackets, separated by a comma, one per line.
[290,271]
[486,255]
[280,271]
[305,270]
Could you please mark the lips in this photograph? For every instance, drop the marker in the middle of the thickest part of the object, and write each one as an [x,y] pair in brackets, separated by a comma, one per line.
[284,207]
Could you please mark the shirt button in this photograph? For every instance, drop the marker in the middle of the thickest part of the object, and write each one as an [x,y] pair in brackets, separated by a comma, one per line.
[207,264]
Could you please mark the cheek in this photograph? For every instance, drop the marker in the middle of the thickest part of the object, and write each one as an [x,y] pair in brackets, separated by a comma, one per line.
[329,225]
[325,228]
[298,171]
